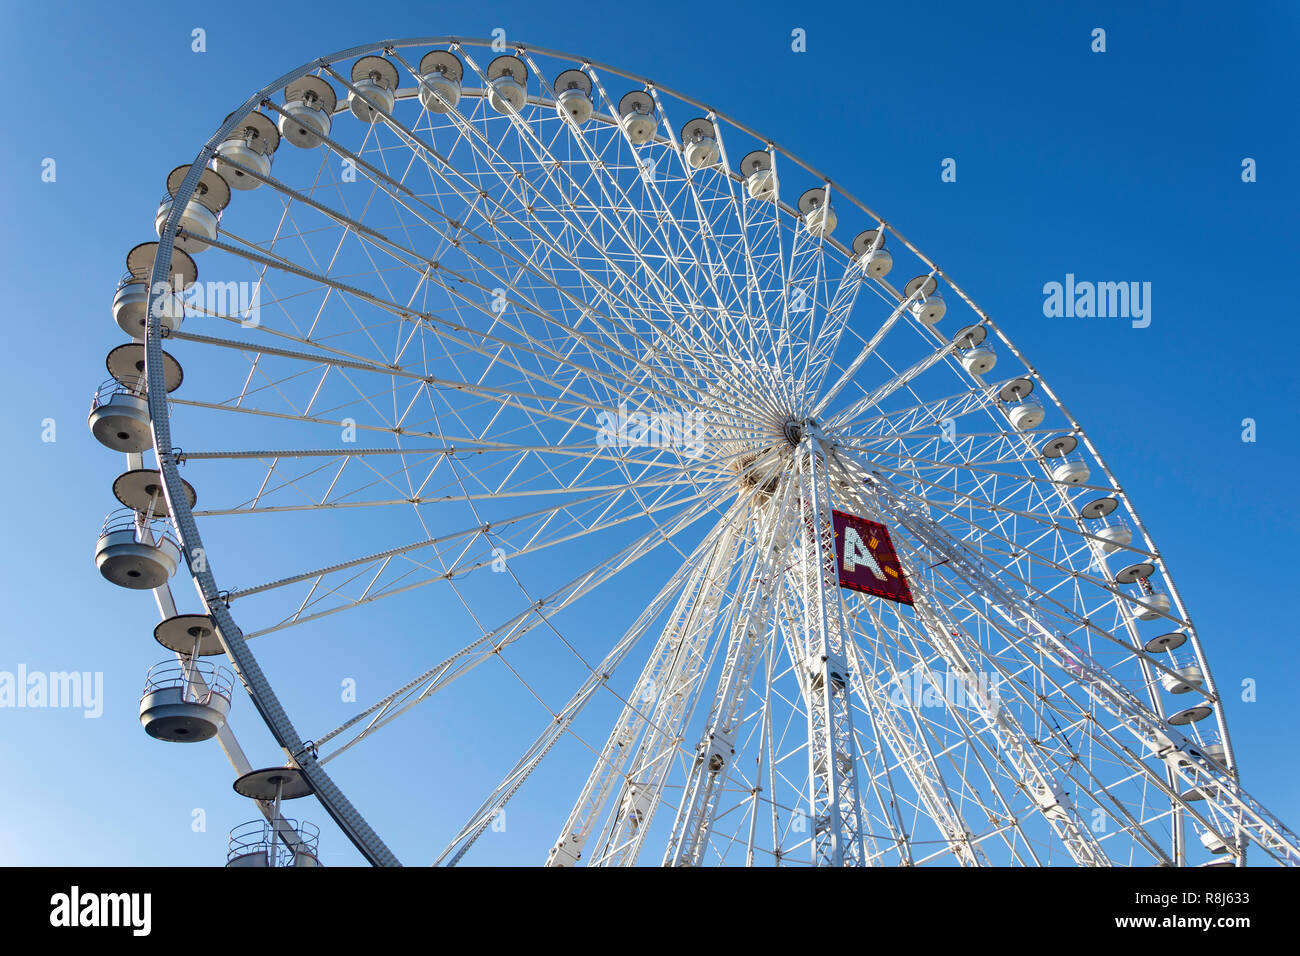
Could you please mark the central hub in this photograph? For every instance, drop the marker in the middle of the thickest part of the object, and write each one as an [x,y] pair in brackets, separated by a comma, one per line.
[796,429]
[759,469]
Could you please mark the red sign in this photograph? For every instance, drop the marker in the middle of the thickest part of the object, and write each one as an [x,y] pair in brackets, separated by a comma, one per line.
[866,559]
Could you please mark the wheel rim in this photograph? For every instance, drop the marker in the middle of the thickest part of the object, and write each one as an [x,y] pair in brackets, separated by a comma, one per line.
[748,406]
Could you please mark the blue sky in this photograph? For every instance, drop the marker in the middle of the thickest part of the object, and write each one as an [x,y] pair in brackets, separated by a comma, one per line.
[1117,166]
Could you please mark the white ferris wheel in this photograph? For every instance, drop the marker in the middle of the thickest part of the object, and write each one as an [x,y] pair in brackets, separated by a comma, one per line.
[802,563]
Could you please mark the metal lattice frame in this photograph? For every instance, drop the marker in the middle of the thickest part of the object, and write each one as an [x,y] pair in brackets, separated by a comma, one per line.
[676,283]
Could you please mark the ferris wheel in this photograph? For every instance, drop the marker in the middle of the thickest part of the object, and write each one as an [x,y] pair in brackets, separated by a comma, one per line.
[592,418]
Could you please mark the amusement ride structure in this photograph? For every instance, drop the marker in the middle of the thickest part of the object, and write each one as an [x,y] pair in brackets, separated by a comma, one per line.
[549,356]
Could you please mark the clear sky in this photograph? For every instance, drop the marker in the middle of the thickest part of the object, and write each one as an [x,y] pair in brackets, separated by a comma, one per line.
[1123,165]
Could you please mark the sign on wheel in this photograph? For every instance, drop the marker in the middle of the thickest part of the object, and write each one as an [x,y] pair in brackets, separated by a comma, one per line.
[866,559]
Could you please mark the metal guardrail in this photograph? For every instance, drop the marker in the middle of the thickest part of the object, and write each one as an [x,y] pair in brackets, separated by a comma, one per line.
[198,680]
[128,519]
[107,390]
[260,836]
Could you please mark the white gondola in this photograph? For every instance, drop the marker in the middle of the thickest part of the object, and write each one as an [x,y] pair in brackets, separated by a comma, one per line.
[1183,679]
[979,360]
[441,74]
[818,216]
[134,553]
[374,88]
[872,256]
[931,310]
[119,418]
[760,177]
[201,214]
[131,298]
[131,305]
[1114,535]
[1027,413]
[1070,470]
[507,78]
[247,150]
[185,701]
[573,97]
[277,841]
[1024,409]
[700,143]
[1158,604]
[636,111]
[309,105]
[975,354]
[928,307]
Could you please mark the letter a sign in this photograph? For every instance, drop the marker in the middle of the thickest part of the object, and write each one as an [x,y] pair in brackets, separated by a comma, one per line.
[866,559]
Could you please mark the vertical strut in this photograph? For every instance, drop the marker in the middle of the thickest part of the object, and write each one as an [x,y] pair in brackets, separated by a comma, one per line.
[832,750]
[750,628]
